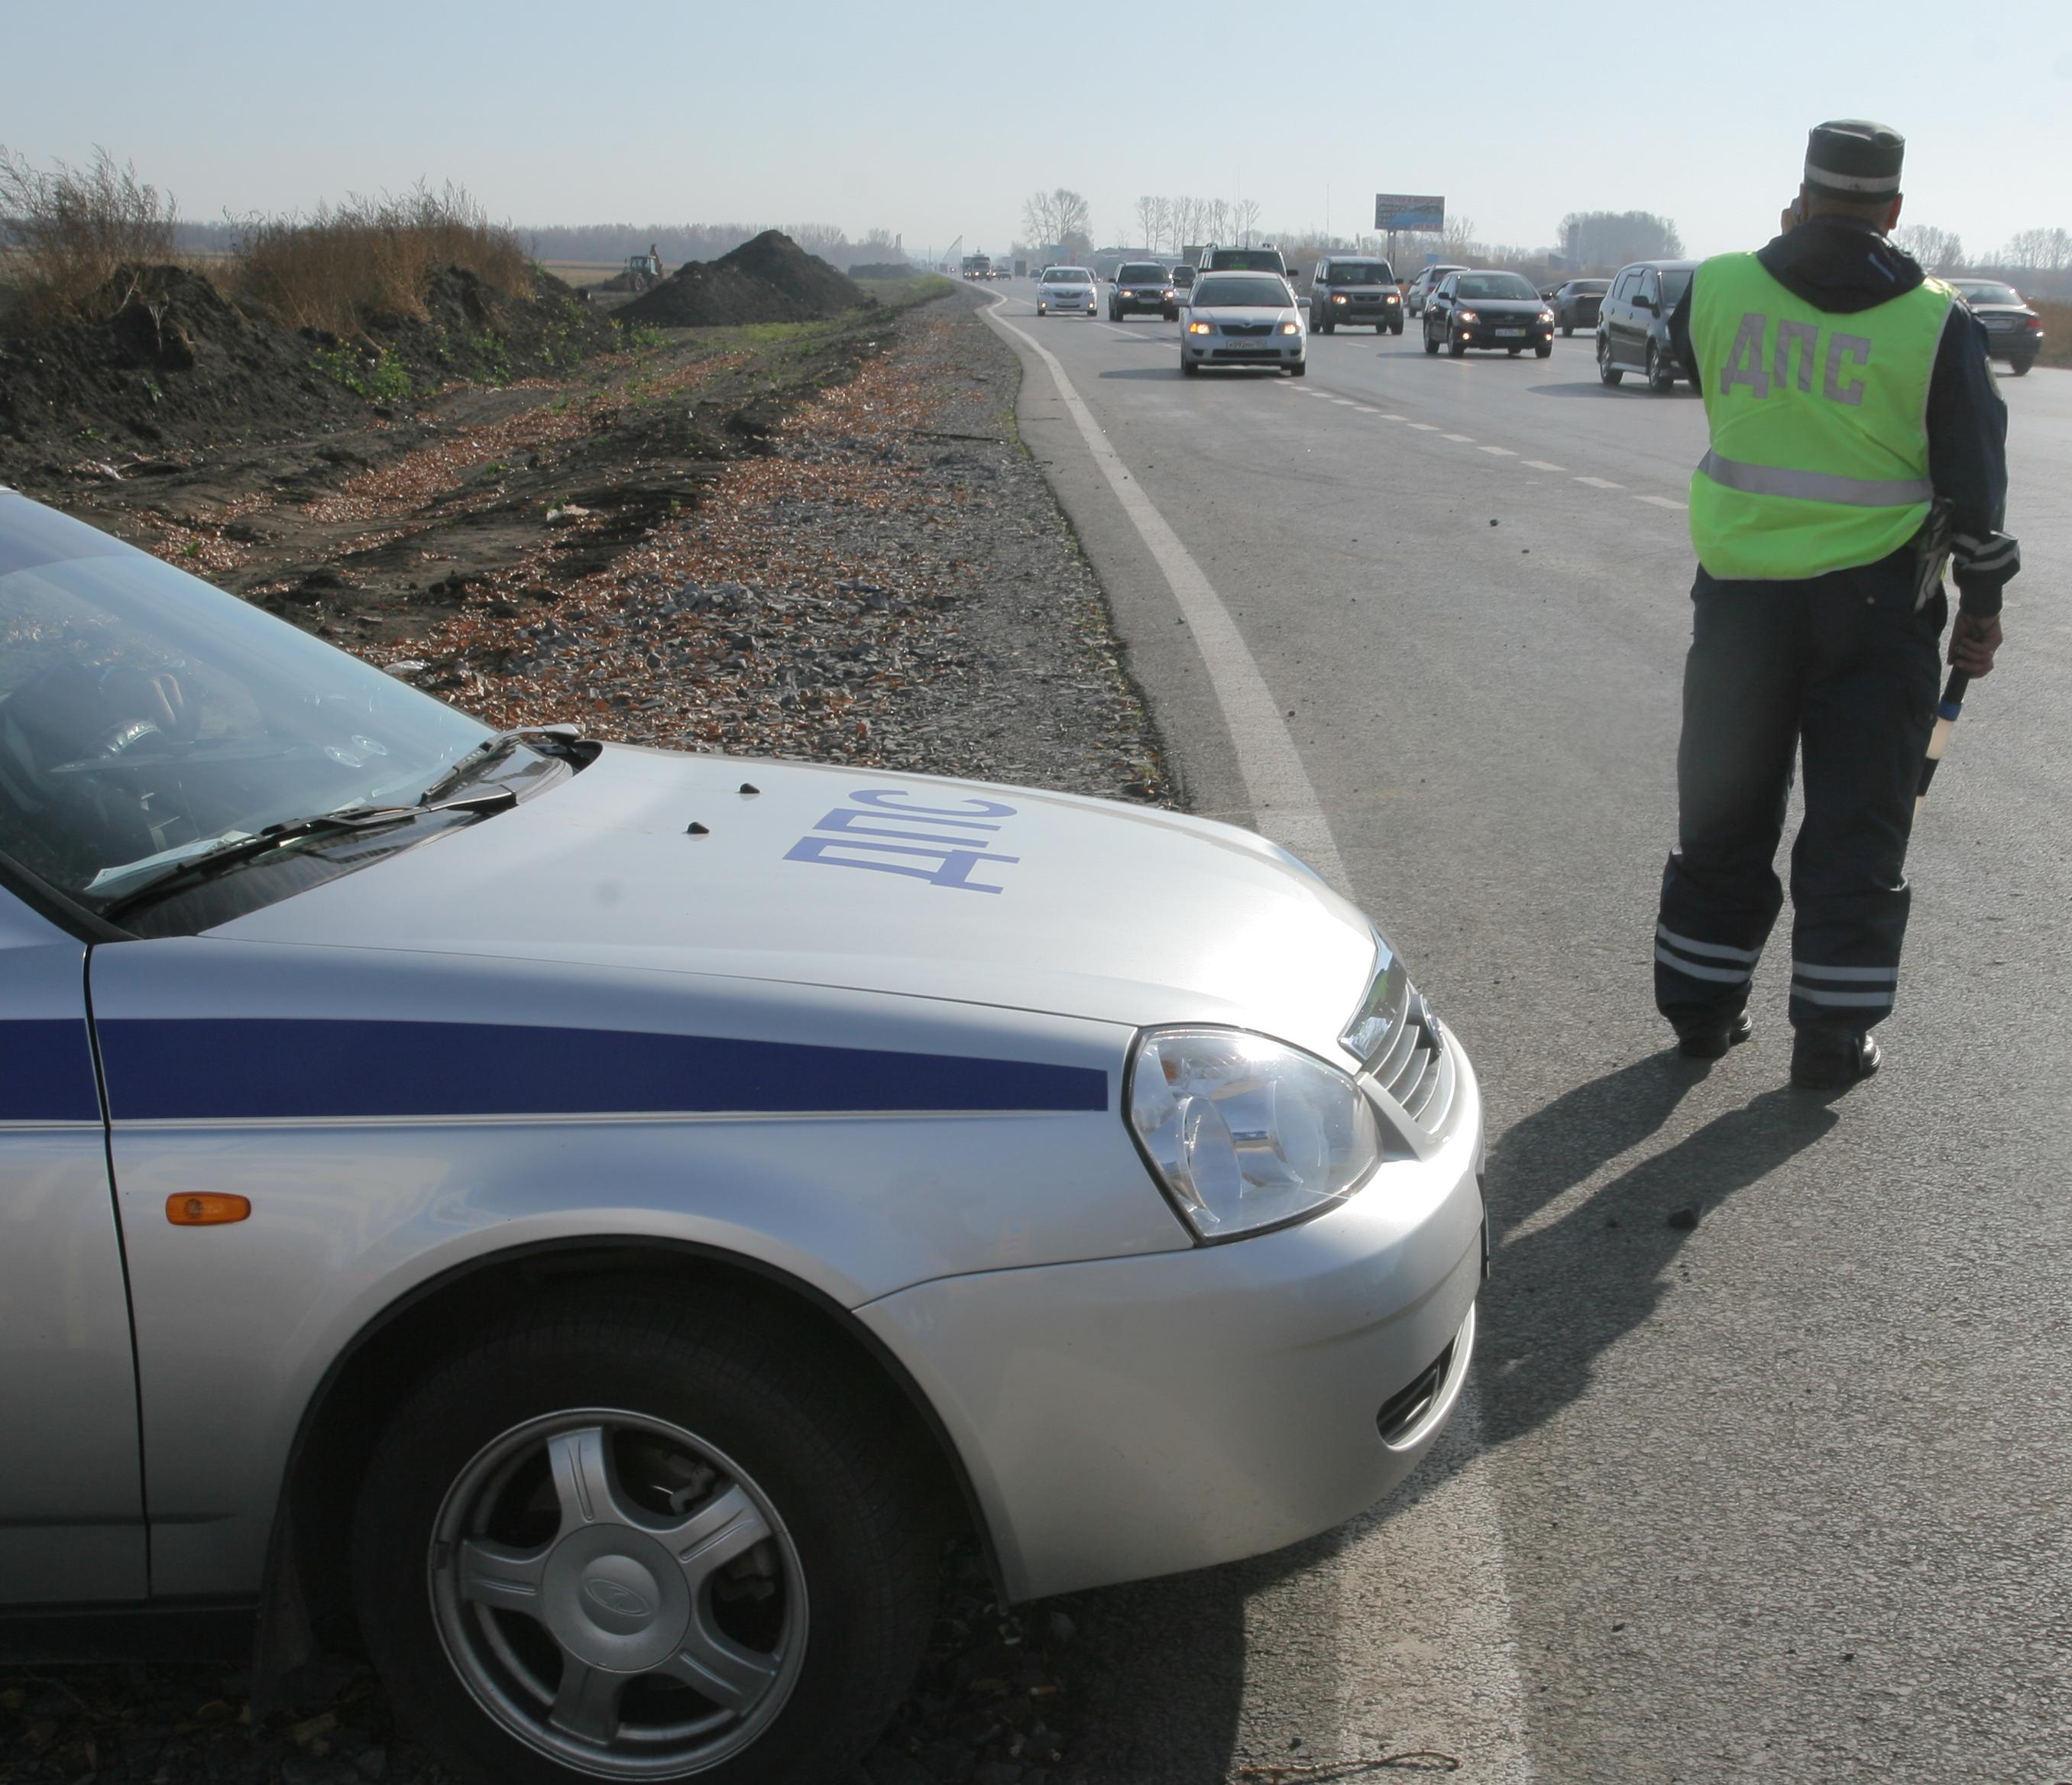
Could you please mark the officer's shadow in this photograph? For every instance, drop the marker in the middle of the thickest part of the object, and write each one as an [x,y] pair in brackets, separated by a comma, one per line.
[1565,1289]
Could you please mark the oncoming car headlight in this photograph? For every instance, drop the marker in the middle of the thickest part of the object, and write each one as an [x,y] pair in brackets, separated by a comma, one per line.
[1291,328]
[1244,1133]
[1199,328]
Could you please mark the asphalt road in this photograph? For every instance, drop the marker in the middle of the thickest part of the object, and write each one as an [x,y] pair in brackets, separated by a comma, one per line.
[1778,1495]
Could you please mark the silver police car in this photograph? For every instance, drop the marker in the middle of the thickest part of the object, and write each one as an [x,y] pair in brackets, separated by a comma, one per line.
[595,1217]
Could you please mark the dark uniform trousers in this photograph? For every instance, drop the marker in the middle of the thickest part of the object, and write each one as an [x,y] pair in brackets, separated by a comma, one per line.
[1840,669]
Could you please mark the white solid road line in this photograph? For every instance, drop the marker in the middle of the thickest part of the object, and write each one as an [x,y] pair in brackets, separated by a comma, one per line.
[1276,785]
[1426,1632]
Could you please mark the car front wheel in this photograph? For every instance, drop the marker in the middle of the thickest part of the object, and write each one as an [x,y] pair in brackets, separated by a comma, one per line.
[1189,368]
[644,1538]
[1431,346]
[1607,372]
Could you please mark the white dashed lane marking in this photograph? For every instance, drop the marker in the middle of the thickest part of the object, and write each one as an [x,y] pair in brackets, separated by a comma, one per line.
[1464,439]
[1600,483]
[1663,502]
[1501,452]
[1541,465]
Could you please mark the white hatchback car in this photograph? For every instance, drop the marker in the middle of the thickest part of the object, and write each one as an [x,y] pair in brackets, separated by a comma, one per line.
[593,1215]
[1243,319]
[1069,290]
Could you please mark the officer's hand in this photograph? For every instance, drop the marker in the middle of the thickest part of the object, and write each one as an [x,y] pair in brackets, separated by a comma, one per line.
[1974,638]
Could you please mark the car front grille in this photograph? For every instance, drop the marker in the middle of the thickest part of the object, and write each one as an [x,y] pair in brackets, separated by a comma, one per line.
[1416,1068]
[1247,328]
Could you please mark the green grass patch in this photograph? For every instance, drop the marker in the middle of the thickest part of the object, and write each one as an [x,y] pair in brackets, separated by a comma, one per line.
[379,377]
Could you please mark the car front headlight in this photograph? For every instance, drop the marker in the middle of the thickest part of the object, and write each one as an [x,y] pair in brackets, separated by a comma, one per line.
[1394,297]
[1200,328]
[1244,1133]
[1337,297]
[1291,328]
[1467,316]
[1546,315]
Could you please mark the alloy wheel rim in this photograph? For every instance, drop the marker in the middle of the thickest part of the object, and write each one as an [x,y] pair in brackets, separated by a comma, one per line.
[618,1594]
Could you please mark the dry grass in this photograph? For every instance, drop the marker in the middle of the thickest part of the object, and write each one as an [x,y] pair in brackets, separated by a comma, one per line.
[343,266]
[69,229]
[2056,333]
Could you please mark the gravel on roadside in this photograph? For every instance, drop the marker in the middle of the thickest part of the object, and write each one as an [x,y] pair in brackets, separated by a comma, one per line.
[890,583]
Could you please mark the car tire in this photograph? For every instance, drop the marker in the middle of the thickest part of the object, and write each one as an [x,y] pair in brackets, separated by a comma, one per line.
[1514,351]
[1431,346]
[1544,351]
[1043,310]
[1300,369]
[1395,328]
[1455,348]
[1607,372]
[1661,378]
[1170,315]
[775,1660]
[1190,368]
[2020,367]
[1567,331]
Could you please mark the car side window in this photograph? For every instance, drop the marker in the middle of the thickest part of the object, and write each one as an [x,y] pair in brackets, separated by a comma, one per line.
[1649,286]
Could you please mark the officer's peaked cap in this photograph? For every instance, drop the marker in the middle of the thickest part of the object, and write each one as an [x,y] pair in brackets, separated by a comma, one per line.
[1854,160]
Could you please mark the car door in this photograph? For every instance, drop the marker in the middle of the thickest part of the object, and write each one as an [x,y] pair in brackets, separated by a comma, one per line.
[1618,317]
[1439,308]
[71,1500]
[1647,305]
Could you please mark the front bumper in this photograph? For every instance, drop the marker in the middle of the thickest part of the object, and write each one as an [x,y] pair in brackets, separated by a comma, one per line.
[1243,350]
[1360,312]
[1081,306]
[1126,1418]
[1488,334]
[1127,303]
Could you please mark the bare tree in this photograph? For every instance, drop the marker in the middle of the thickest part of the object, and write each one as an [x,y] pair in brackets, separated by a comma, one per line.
[1244,220]
[1161,222]
[1612,238]
[1937,250]
[1147,221]
[1058,218]
[1457,241]
[2039,251]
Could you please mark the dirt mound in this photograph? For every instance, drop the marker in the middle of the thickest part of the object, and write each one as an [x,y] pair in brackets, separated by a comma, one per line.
[179,369]
[771,279]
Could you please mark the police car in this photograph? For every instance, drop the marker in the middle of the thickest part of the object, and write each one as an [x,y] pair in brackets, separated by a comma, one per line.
[595,1217]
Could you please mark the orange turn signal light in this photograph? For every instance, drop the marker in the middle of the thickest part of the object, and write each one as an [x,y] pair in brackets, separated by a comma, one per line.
[208,1209]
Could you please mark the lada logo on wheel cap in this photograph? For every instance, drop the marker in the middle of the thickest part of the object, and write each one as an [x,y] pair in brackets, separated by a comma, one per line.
[618,1600]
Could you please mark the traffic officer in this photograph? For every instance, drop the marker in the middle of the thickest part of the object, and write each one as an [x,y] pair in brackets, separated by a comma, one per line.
[1856,437]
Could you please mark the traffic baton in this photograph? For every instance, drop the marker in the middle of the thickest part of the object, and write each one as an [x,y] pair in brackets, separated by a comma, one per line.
[1948,710]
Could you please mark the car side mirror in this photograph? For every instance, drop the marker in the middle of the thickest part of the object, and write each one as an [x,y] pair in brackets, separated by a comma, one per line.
[1644,303]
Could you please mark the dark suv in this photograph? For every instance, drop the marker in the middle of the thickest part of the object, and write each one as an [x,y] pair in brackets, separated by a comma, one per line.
[1356,290]
[1143,285]
[1633,323]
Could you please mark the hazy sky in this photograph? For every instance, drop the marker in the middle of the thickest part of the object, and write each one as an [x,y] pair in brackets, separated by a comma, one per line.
[935,120]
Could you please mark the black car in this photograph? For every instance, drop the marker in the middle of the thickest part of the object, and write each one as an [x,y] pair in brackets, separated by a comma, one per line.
[2014,332]
[1575,303]
[1487,310]
[1633,321]
[1143,285]
[1357,291]
[1183,279]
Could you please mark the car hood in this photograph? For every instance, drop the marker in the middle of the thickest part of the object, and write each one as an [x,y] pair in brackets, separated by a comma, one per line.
[1244,313]
[870,881]
[1501,306]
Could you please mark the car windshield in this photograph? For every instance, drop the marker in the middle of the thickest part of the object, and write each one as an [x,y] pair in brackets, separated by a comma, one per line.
[1988,291]
[1361,273]
[1142,275]
[1068,275]
[1675,283]
[146,718]
[1589,288]
[1487,286]
[1251,293]
[1262,260]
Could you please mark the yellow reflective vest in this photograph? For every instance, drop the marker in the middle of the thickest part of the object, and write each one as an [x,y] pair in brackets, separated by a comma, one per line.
[1819,459]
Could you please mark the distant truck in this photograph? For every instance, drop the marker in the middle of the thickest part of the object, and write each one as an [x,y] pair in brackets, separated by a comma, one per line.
[1021,269]
[978,266]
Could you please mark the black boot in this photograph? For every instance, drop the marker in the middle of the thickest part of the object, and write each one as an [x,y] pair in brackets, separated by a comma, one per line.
[1832,1060]
[1710,1041]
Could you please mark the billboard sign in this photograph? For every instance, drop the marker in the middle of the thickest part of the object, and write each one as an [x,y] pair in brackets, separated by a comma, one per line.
[1408,210]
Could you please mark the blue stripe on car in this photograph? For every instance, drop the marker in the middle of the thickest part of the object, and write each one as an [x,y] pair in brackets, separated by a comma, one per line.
[46,1072]
[249,1068]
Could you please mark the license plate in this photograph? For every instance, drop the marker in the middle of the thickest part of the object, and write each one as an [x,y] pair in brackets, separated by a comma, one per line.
[1510,332]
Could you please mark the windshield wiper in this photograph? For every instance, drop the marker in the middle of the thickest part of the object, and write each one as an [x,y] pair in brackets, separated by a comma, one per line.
[564,741]
[353,819]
